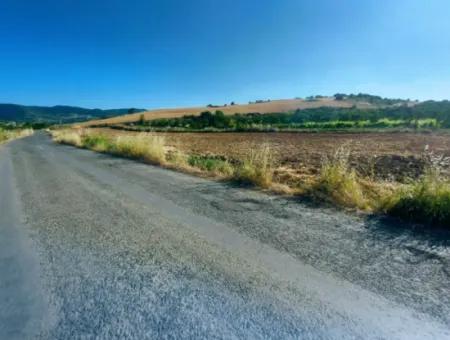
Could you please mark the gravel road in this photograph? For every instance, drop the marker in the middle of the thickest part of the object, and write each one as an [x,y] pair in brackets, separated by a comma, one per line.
[96,247]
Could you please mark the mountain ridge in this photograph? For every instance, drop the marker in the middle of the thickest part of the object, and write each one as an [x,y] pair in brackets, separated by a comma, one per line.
[57,113]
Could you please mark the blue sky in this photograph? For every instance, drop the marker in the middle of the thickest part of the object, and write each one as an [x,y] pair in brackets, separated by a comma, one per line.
[170,53]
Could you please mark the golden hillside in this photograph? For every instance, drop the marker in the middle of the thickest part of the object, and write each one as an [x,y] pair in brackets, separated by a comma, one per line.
[283,105]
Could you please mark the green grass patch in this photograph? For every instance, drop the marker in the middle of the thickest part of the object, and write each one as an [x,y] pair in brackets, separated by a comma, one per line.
[211,164]
[97,142]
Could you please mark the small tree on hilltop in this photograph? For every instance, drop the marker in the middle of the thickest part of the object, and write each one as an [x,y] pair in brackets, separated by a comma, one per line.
[339,96]
[142,119]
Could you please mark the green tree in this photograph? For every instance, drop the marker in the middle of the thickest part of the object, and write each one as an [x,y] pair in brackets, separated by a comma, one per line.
[141,119]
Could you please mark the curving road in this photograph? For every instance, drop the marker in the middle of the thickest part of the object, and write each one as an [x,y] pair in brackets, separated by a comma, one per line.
[98,247]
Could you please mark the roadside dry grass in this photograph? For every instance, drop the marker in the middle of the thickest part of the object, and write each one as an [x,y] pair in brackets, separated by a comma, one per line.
[7,135]
[67,137]
[426,200]
[150,149]
[257,168]
[340,184]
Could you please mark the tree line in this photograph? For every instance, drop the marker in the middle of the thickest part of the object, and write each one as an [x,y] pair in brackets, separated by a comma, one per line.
[436,113]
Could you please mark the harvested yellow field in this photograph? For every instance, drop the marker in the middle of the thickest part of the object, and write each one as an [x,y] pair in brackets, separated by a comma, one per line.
[266,107]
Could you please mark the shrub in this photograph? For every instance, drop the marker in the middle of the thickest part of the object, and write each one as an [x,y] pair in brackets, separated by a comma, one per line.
[257,168]
[426,201]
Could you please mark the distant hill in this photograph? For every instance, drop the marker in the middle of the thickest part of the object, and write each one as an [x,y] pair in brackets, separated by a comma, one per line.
[360,101]
[56,114]
[89,117]
[267,106]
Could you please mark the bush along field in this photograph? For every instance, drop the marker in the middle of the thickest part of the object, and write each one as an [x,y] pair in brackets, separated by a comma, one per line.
[425,200]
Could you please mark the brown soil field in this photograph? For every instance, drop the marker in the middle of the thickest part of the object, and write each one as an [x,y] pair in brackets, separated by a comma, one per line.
[393,156]
[267,107]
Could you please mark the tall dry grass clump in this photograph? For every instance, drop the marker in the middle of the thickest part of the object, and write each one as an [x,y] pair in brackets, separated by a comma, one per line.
[339,183]
[177,159]
[147,148]
[257,167]
[69,137]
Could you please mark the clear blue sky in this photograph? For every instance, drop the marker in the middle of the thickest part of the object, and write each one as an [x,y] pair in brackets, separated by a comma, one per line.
[169,53]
